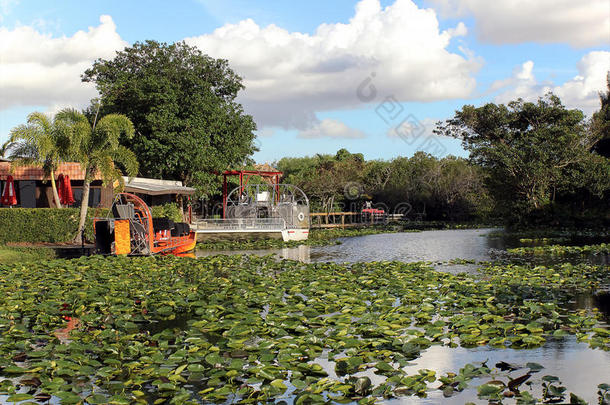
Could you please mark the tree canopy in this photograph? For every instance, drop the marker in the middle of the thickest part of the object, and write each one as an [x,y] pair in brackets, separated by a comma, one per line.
[183,106]
[98,150]
[422,187]
[536,155]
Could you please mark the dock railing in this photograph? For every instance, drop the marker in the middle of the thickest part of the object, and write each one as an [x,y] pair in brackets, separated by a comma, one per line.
[239,224]
[345,219]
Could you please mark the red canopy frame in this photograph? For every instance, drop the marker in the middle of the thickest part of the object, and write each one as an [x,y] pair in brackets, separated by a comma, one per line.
[245,175]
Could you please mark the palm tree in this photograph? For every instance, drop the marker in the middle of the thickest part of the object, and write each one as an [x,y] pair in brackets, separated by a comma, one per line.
[43,142]
[98,151]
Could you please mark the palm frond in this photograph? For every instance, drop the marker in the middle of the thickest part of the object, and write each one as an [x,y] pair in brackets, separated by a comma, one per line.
[127,158]
[111,128]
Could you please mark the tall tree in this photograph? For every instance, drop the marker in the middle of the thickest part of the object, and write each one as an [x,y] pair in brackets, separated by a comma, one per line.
[183,106]
[98,149]
[531,151]
[43,142]
[600,122]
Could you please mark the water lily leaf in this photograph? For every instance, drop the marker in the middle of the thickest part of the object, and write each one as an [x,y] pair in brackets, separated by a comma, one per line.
[213,359]
[489,390]
[575,399]
[14,370]
[97,399]
[196,368]
[534,367]
[19,397]
[279,384]
[514,384]
[504,366]
[68,397]
[362,385]
[383,366]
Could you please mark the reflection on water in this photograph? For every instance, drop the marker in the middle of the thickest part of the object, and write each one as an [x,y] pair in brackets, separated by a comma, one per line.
[429,246]
[300,253]
[579,368]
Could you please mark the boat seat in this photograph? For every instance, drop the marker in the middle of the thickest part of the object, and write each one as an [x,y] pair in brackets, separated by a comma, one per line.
[181,229]
[162,224]
[123,211]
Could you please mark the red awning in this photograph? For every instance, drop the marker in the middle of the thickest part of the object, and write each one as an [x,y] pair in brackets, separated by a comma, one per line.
[8,194]
[66,196]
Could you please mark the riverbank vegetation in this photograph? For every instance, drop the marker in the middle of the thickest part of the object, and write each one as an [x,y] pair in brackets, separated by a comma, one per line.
[561,250]
[323,237]
[530,164]
[317,237]
[256,329]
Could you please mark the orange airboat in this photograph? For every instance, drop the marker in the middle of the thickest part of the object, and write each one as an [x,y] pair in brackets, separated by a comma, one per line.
[130,229]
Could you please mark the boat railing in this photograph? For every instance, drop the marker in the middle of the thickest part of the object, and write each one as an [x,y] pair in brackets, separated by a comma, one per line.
[239,224]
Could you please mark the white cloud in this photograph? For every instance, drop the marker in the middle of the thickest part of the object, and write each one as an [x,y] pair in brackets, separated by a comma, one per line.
[331,128]
[581,92]
[39,69]
[581,23]
[291,75]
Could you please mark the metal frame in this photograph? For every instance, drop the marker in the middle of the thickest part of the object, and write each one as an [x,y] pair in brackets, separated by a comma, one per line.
[247,200]
[245,175]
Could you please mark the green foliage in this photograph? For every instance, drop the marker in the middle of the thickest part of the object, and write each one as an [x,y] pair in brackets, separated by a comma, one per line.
[561,250]
[35,225]
[41,142]
[96,146]
[423,187]
[537,158]
[169,210]
[317,237]
[183,106]
[600,123]
[246,328]
[11,254]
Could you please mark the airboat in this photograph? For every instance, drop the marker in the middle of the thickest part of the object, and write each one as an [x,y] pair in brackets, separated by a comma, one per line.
[269,210]
[130,229]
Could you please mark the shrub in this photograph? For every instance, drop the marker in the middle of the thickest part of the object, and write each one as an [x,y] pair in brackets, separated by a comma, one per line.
[169,210]
[53,225]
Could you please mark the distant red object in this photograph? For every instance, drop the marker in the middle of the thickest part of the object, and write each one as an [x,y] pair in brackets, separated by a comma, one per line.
[374,211]
[8,194]
[66,197]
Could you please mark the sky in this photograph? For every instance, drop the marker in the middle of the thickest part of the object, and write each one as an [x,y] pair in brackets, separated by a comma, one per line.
[371,76]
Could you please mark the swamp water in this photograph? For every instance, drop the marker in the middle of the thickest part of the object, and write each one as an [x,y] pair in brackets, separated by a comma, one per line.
[212,327]
[578,367]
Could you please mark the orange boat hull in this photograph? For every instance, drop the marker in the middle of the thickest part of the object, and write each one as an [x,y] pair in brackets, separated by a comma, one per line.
[188,245]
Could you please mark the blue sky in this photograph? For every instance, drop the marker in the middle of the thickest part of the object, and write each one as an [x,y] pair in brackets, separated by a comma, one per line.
[303,62]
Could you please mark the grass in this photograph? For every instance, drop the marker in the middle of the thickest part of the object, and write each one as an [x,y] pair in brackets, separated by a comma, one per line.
[11,255]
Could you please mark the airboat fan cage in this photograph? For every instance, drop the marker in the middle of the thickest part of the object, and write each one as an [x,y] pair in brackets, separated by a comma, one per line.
[284,201]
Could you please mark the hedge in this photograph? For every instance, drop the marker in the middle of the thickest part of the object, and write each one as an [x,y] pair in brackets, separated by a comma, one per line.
[56,225]
[52,225]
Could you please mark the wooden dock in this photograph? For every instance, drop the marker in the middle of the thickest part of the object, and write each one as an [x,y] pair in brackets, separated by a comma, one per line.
[322,220]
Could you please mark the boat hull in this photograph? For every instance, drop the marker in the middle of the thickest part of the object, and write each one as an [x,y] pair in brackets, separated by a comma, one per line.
[295,234]
[186,244]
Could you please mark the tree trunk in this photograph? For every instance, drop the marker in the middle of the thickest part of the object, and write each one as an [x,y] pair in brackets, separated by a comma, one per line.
[83,207]
[54,188]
